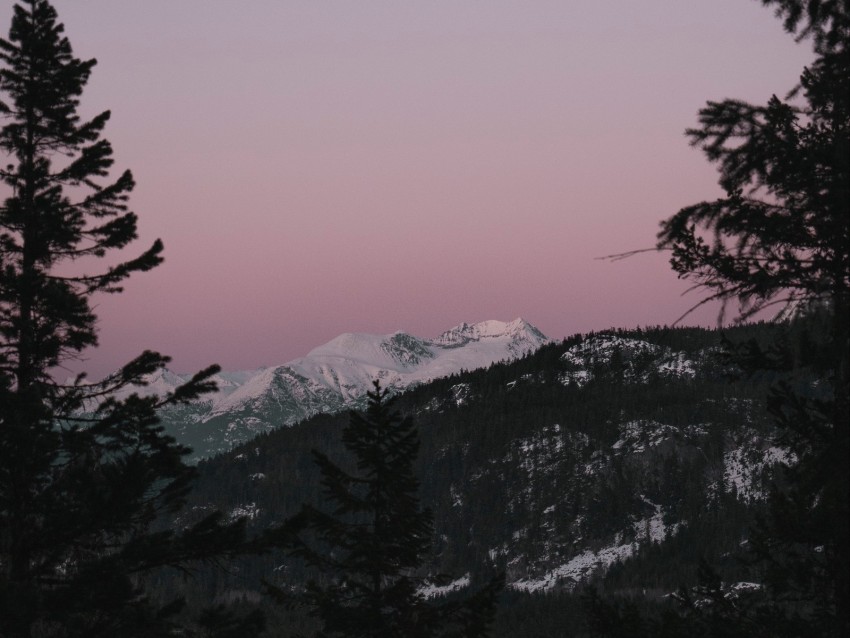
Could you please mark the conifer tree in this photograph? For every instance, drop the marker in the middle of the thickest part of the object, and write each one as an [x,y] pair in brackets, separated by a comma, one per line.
[370,546]
[781,235]
[83,476]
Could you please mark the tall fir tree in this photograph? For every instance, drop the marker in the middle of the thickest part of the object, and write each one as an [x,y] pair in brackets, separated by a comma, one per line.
[369,548]
[83,477]
[781,235]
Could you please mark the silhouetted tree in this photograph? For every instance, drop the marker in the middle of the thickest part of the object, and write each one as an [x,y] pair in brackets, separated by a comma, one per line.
[781,235]
[83,476]
[370,547]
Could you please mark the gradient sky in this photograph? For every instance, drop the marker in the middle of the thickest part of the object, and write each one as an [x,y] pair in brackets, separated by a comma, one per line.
[319,167]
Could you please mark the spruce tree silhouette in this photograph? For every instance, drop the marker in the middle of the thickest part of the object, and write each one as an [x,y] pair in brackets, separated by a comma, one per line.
[781,237]
[370,546]
[83,477]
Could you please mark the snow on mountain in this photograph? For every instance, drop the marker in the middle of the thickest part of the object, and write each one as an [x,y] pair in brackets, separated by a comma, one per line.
[554,498]
[337,375]
[638,359]
[161,382]
[521,335]
[348,364]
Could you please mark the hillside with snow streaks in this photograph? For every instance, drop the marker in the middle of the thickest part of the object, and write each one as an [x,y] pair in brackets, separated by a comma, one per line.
[617,459]
[332,377]
[634,359]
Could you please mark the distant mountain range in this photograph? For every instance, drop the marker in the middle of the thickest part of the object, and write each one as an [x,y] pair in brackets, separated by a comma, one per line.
[618,459]
[333,377]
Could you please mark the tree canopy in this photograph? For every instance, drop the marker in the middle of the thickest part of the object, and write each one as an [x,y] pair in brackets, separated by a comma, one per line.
[781,235]
[369,548]
[782,232]
[84,476]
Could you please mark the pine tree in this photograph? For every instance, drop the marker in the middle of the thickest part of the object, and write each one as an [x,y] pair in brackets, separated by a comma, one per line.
[83,477]
[370,546]
[781,235]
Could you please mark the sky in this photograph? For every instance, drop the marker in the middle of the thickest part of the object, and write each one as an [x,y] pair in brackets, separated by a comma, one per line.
[319,167]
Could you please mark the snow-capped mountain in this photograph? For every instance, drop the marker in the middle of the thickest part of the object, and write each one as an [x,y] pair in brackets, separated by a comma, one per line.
[616,458]
[334,376]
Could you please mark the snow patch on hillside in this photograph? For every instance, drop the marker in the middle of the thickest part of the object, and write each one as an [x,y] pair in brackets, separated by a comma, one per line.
[637,360]
[249,511]
[435,591]
[744,469]
[640,435]
[589,562]
[336,376]
[579,568]
[461,393]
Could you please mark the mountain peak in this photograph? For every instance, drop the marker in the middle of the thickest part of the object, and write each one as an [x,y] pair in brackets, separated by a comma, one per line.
[517,330]
[350,345]
[338,374]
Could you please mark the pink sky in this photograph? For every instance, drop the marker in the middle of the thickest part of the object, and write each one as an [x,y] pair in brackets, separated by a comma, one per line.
[324,167]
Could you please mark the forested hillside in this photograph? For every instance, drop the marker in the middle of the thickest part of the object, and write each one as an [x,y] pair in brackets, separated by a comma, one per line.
[616,459]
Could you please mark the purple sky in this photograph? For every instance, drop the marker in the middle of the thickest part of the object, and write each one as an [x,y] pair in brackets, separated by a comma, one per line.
[324,167]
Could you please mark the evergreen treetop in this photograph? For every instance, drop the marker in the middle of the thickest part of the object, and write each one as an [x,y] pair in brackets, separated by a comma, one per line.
[370,548]
[781,235]
[84,477]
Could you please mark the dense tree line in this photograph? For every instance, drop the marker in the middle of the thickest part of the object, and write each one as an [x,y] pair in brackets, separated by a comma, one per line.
[780,237]
[471,467]
[370,545]
[84,478]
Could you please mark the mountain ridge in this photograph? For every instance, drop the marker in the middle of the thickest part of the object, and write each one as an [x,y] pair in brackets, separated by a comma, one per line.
[616,459]
[332,377]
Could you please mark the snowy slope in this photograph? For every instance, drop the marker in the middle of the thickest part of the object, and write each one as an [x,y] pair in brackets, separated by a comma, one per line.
[344,368]
[335,376]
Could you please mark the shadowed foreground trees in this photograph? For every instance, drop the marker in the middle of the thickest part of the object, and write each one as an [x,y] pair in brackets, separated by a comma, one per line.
[369,548]
[781,236]
[83,477]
